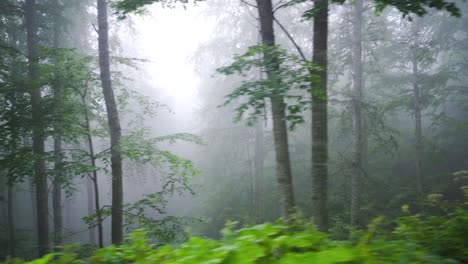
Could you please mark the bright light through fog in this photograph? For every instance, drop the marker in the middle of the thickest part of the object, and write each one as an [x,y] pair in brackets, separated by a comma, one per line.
[169,38]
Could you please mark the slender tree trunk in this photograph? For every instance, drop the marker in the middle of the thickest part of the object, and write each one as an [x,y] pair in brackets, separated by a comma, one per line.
[57,193]
[365,141]
[38,130]
[418,126]
[320,120]
[417,111]
[58,178]
[3,198]
[93,180]
[33,213]
[91,207]
[114,124]
[11,221]
[278,107]
[365,133]
[357,114]
[98,209]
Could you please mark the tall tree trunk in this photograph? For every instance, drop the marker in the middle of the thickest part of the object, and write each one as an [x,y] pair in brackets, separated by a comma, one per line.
[32,191]
[357,114]
[92,180]
[278,108]
[57,193]
[320,120]
[114,124]
[98,208]
[418,127]
[417,110]
[3,198]
[91,207]
[11,221]
[38,130]
[58,156]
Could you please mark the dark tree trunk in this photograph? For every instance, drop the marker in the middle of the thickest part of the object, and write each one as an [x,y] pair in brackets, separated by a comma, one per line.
[114,124]
[357,114]
[57,193]
[320,120]
[32,190]
[278,107]
[98,209]
[11,221]
[40,176]
[58,178]
[91,207]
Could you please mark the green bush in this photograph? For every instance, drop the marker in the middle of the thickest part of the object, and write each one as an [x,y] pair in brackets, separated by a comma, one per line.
[415,240]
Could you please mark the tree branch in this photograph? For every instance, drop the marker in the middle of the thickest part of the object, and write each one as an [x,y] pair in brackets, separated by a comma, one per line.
[282,5]
[291,38]
[249,4]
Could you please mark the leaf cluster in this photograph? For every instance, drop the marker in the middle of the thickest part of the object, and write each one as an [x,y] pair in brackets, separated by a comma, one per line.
[292,81]
[124,7]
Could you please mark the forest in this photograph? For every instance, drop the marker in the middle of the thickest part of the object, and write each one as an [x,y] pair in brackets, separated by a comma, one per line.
[233,131]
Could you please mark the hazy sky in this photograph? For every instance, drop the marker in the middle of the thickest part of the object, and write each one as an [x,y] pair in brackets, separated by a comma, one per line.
[169,38]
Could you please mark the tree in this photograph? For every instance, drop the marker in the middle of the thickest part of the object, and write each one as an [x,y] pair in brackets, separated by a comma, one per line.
[38,129]
[319,94]
[320,119]
[358,133]
[415,56]
[114,123]
[278,109]
[58,155]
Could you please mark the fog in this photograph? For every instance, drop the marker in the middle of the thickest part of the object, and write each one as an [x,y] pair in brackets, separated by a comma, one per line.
[210,134]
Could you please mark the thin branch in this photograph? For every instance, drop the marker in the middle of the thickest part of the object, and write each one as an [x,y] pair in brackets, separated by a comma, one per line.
[249,4]
[279,5]
[94,26]
[291,38]
[102,152]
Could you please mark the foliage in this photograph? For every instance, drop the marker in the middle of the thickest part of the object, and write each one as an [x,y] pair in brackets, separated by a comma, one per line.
[289,81]
[150,212]
[443,236]
[73,71]
[124,7]
[296,242]
[406,7]
[418,7]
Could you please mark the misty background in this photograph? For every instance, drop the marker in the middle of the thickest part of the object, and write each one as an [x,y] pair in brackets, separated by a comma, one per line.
[164,63]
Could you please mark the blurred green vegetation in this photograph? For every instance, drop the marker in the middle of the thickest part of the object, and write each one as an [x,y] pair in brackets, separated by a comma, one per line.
[413,239]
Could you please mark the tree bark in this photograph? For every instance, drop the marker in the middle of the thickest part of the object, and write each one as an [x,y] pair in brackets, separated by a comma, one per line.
[357,114]
[32,191]
[93,181]
[11,221]
[98,209]
[58,156]
[417,110]
[278,107]
[418,130]
[91,207]
[114,124]
[40,176]
[320,120]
